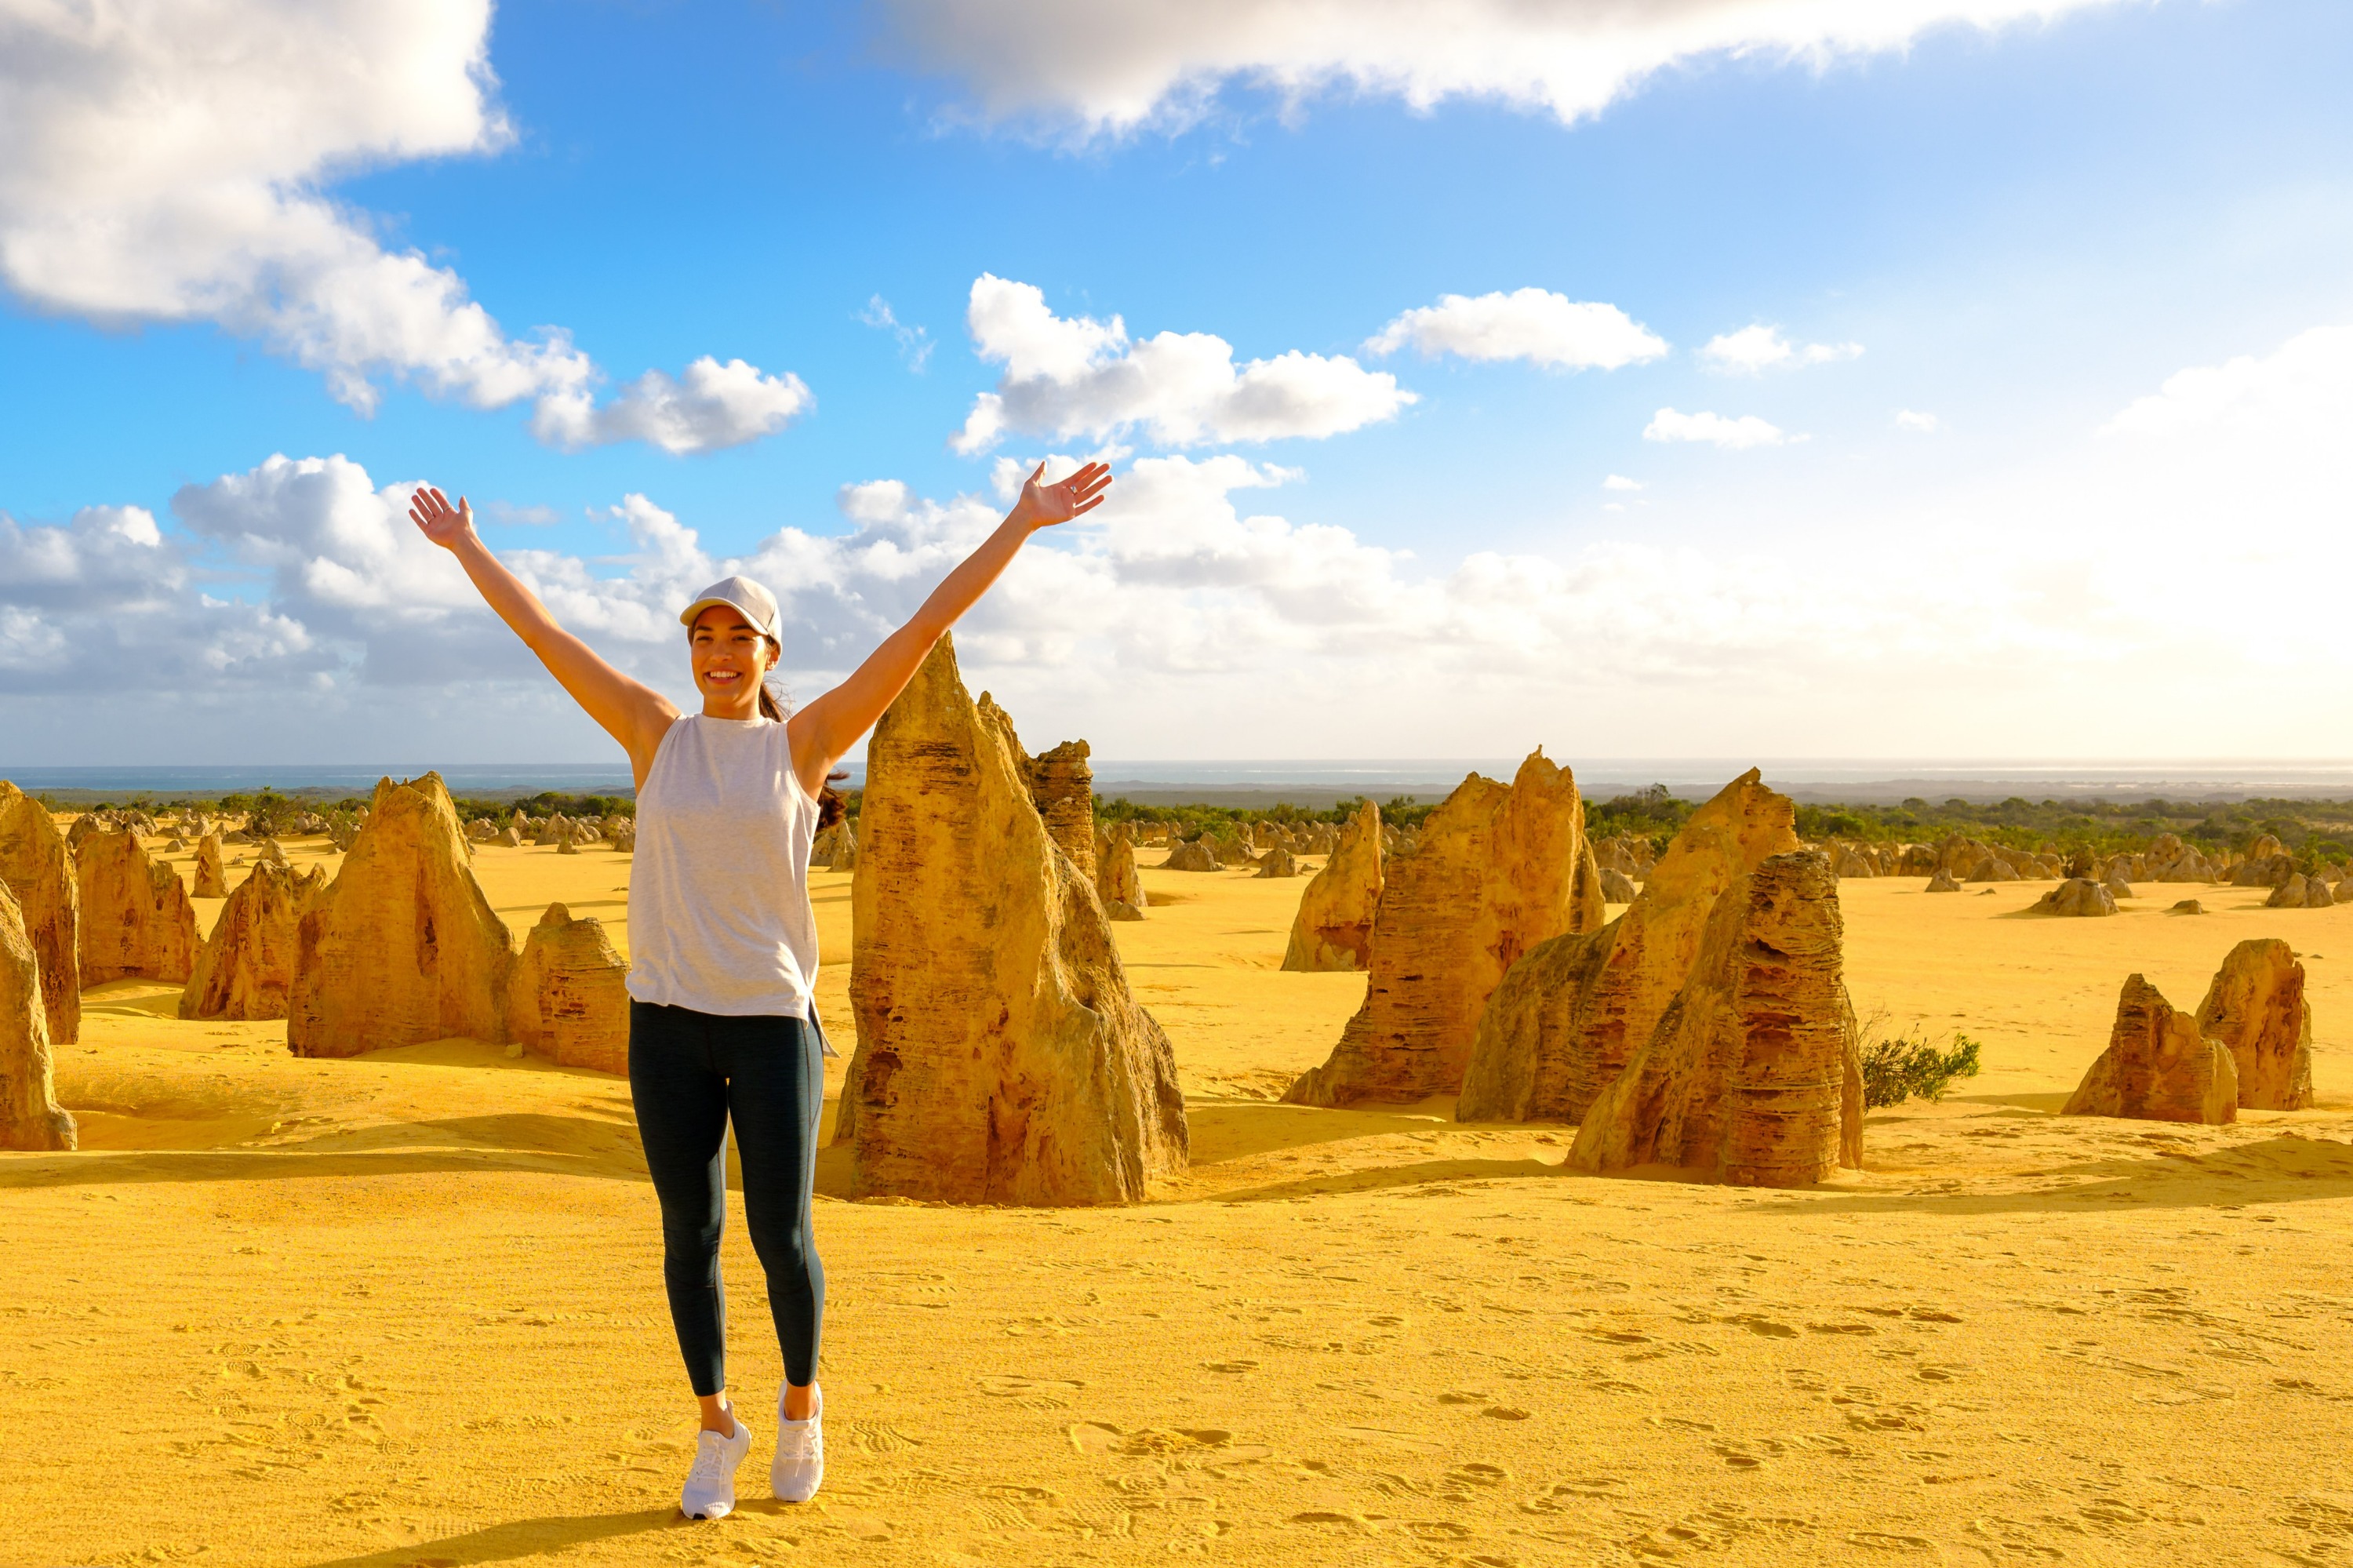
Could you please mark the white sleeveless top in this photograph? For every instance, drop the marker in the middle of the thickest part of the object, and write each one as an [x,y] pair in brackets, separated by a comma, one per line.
[719,903]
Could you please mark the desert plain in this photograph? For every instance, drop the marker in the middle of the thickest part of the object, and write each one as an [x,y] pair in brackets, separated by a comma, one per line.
[406,1310]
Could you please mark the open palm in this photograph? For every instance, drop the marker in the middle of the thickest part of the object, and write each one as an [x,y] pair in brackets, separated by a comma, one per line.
[443,524]
[1043,505]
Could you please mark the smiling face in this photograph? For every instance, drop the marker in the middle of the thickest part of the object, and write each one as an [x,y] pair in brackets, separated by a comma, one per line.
[730,656]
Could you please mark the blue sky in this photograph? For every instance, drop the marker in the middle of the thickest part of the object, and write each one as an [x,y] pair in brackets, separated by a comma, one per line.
[2015,232]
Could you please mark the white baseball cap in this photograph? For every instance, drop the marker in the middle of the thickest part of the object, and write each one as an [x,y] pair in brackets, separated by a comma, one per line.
[758,605]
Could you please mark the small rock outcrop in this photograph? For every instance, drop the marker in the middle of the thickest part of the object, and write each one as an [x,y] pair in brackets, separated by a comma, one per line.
[1196,855]
[1334,929]
[2119,884]
[36,866]
[246,969]
[1001,1058]
[568,999]
[1942,882]
[1570,1015]
[1497,872]
[2188,906]
[402,947]
[136,918]
[1616,887]
[1753,1077]
[30,1118]
[2255,1007]
[845,848]
[1278,862]
[1116,882]
[2078,895]
[210,883]
[2158,1066]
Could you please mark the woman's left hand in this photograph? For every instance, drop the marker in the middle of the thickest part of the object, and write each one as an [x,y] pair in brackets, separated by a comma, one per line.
[1043,505]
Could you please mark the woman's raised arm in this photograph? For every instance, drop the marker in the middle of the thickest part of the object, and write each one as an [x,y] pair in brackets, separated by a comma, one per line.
[824,731]
[629,711]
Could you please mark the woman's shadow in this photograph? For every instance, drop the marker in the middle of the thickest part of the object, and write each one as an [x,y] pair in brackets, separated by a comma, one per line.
[506,1542]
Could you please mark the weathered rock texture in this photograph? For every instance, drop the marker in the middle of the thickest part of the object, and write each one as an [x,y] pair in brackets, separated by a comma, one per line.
[1498,872]
[1001,1057]
[2078,895]
[36,866]
[2255,1007]
[30,1119]
[1062,786]
[2158,1066]
[1569,1016]
[1753,1075]
[1616,887]
[1942,882]
[1279,862]
[402,947]
[568,999]
[845,848]
[246,969]
[210,883]
[1116,882]
[136,918]
[2188,906]
[1334,928]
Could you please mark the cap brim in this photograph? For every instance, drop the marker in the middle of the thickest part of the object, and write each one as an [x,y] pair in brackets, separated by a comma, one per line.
[699,605]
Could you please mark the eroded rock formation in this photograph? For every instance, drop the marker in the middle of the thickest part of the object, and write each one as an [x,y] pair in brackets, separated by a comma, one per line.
[136,918]
[2078,895]
[2300,892]
[1278,862]
[1942,882]
[246,968]
[1062,786]
[2159,1066]
[568,999]
[1116,882]
[1197,854]
[1753,1075]
[210,883]
[1334,928]
[1569,1016]
[2256,1008]
[1498,870]
[1616,887]
[36,866]
[1001,1058]
[30,1119]
[402,947]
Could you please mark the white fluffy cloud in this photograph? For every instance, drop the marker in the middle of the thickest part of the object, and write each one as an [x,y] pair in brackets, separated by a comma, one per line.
[2070,610]
[1111,65]
[1913,419]
[166,159]
[1753,350]
[1074,377]
[1535,325]
[1737,435]
[712,406]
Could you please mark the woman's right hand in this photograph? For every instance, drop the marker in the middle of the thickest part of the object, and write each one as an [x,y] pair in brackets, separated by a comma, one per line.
[438,520]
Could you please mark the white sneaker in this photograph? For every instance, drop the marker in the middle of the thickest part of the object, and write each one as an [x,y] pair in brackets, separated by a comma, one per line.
[710,1490]
[798,1468]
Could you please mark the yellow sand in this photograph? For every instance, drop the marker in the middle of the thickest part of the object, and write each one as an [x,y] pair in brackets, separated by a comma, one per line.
[408,1310]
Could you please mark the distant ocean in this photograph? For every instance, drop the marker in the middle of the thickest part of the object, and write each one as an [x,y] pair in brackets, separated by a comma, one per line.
[1161,781]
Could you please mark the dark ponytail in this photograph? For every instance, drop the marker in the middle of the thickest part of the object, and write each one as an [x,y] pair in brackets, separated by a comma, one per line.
[830,808]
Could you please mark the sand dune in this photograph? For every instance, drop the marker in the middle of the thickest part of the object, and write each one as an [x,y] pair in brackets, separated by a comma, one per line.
[407,1308]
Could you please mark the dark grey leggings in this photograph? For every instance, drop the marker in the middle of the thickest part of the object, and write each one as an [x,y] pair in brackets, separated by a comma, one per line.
[691,1073]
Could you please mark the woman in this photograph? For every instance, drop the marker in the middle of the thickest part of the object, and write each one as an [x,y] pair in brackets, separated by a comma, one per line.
[722,942]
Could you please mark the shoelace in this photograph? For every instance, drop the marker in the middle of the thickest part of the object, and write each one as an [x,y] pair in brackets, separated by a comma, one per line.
[805,1441]
[708,1459]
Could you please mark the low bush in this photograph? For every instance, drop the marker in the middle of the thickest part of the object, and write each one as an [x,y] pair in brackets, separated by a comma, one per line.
[1896,1069]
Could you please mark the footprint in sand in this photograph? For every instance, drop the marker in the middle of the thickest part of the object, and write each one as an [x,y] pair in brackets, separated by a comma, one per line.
[1032,1393]
[1237,1369]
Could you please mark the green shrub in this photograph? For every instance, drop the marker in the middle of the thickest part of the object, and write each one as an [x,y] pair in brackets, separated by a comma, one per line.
[1896,1069]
